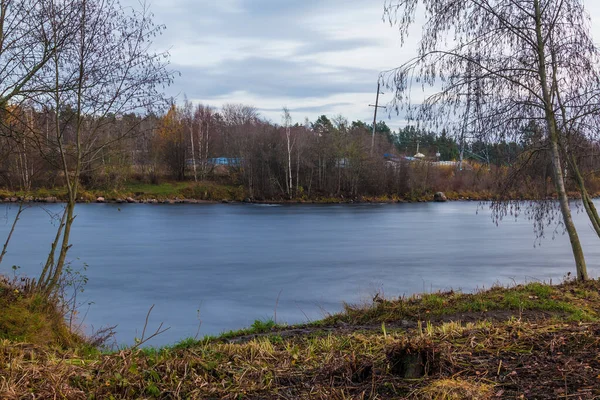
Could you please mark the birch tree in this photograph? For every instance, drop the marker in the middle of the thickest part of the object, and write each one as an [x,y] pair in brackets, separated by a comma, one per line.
[204,119]
[287,122]
[188,116]
[498,65]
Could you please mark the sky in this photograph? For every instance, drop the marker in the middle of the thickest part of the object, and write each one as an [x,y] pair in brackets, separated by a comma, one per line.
[313,56]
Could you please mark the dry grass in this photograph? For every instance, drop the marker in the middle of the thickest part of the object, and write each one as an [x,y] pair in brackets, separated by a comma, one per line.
[481,359]
[505,359]
[456,389]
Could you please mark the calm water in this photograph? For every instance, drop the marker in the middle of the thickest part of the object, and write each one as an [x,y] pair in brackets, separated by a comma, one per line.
[232,261]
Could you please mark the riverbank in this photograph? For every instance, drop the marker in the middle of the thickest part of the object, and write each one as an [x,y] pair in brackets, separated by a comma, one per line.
[210,192]
[528,341]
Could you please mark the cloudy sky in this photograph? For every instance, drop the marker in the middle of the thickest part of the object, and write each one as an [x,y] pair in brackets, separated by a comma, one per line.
[313,56]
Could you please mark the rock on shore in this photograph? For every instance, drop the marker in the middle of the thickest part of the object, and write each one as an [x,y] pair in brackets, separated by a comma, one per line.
[440,197]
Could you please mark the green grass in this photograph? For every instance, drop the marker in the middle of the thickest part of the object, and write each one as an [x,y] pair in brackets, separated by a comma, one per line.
[257,327]
[214,191]
[209,191]
[32,318]
[571,301]
[163,190]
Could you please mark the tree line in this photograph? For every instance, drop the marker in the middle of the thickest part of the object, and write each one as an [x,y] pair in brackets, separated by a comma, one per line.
[328,157]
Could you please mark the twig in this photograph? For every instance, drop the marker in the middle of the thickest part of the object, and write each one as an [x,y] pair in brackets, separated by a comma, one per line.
[146,323]
[102,335]
[276,304]
[302,311]
[12,230]
[158,331]
[199,324]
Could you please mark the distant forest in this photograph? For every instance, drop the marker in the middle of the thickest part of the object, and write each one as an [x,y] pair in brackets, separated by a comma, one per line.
[328,157]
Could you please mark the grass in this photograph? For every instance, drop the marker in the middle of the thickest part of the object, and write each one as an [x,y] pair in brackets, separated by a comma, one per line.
[456,389]
[526,341]
[209,191]
[258,327]
[160,191]
[32,318]
[215,191]
[450,363]
[572,301]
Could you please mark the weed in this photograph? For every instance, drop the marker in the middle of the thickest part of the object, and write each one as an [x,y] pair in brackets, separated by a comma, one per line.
[262,326]
[433,301]
[152,390]
[185,344]
[258,327]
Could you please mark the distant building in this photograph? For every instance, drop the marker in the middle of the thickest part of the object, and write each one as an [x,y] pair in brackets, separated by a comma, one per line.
[392,157]
[224,161]
[228,162]
[342,163]
[395,161]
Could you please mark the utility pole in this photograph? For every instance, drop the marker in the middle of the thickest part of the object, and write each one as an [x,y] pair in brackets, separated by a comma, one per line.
[465,127]
[377,106]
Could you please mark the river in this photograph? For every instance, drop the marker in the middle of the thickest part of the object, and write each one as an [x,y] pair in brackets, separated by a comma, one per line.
[227,265]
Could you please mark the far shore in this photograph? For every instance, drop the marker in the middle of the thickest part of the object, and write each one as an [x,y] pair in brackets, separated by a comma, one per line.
[213,193]
[131,200]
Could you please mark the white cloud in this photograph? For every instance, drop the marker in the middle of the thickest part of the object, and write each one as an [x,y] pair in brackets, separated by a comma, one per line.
[322,56]
[212,51]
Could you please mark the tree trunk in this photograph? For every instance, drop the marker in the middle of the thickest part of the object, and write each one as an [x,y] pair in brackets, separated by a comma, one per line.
[588,204]
[193,152]
[206,148]
[555,153]
[12,230]
[297,170]
[200,151]
[54,278]
[290,184]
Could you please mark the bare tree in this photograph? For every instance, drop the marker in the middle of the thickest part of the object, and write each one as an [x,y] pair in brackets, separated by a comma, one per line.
[240,128]
[172,142]
[499,65]
[204,119]
[25,48]
[105,69]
